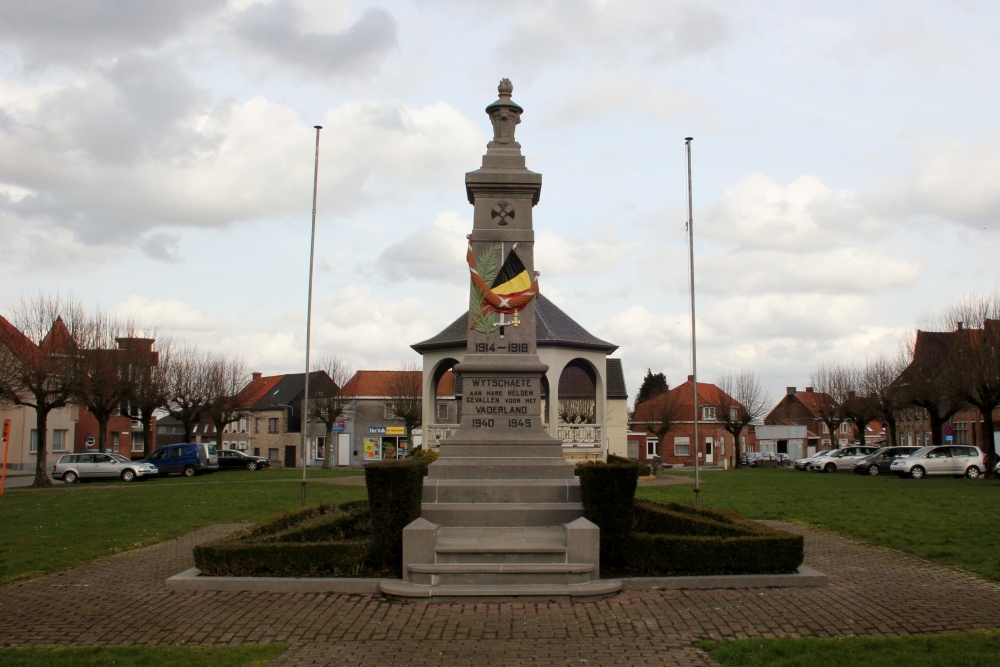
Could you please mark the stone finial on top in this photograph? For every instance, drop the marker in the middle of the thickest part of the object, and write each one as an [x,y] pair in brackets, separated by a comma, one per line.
[505,114]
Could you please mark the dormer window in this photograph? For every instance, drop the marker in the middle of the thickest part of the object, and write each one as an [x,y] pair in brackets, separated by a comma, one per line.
[708,413]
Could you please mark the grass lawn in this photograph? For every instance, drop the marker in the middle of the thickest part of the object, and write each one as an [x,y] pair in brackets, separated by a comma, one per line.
[141,656]
[47,530]
[950,521]
[968,649]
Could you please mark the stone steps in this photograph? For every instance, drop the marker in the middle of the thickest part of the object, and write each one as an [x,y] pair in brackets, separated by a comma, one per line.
[501,491]
[499,574]
[501,468]
[501,514]
[556,592]
[501,545]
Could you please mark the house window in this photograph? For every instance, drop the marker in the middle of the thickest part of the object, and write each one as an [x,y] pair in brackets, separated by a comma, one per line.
[732,413]
[442,411]
[843,427]
[137,442]
[825,428]
[272,425]
[59,440]
[256,425]
[272,454]
[842,442]
[389,412]
[195,429]
[682,446]
[243,425]
[652,447]
[826,443]
[961,433]
[918,440]
[115,441]
[909,439]
[33,447]
[708,413]
[927,438]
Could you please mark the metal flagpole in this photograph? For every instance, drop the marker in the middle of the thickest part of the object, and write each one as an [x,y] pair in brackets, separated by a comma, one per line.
[694,347]
[304,426]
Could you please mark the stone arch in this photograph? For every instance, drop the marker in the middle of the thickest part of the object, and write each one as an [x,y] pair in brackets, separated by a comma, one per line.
[433,375]
[591,365]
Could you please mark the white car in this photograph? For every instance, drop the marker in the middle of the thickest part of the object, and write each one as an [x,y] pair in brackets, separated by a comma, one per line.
[802,464]
[840,459]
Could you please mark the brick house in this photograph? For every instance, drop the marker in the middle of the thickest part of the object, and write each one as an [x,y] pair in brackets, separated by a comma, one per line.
[804,408]
[272,425]
[715,446]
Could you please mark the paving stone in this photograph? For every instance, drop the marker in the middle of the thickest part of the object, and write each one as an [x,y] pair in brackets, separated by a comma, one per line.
[122,599]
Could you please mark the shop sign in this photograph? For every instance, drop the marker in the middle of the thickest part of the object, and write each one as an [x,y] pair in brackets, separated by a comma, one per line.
[376,430]
[386,430]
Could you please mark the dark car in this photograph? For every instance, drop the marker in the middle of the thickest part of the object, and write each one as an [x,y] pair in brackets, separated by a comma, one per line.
[784,460]
[187,458]
[231,458]
[880,461]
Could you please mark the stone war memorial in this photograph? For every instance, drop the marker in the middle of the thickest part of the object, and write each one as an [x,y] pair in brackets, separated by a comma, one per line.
[501,513]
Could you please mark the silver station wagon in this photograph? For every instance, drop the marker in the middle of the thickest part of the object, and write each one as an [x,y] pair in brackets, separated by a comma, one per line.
[96,465]
[956,460]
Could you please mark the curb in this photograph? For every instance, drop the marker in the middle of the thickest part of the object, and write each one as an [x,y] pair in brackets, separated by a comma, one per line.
[193,581]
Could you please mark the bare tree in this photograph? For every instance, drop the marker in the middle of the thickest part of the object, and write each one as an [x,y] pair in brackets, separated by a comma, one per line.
[659,415]
[105,378]
[187,394]
[924,383]
[831,385]
[329,404]
[880,374]
[973,370]
[39,362]
[859,407]
[577,411]
[224,376]
[404,390]
[742,401]
[150,389]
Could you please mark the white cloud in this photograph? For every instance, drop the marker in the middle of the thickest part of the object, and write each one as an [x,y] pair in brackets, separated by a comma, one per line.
[588,253]
[434,251]
[806,214]
[906,37]
[951,180]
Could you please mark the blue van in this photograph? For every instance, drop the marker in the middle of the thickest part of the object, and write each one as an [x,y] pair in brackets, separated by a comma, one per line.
[187,458]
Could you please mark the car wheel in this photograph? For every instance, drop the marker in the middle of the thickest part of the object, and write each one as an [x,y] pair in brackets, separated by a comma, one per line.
[251,465]
[916,472]
[189,471]
[830,467]
[873,470]
[70,477]
[128,475]
[972,472]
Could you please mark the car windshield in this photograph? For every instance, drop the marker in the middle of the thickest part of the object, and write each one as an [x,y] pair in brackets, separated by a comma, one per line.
[120,458]
[211,450]
[920,452]
[822,453]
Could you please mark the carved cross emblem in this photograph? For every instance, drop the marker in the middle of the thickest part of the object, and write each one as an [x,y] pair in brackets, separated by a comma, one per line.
[504,211]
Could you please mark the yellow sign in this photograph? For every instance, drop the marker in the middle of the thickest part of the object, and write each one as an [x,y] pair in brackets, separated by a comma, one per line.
[395,430]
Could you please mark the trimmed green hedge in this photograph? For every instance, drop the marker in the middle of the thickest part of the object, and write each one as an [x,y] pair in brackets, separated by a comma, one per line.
[674,539]
[317,541]
[395,491]
[644,468]
[608,493]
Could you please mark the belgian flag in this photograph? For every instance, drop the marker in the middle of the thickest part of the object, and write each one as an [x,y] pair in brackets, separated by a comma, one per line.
[512,277]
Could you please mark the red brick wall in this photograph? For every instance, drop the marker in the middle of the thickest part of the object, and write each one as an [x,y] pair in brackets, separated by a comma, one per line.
[87,425]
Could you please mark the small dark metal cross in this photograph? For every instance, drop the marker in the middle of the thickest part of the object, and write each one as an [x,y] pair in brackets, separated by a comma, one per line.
[504,211]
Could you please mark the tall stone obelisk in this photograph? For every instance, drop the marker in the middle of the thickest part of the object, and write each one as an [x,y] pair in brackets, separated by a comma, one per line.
[501,512]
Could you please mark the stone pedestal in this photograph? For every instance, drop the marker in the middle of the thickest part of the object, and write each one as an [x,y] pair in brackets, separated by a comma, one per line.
[501,514]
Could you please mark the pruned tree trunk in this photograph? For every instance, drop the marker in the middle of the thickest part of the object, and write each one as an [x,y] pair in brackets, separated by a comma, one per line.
[329,446]
[41,464]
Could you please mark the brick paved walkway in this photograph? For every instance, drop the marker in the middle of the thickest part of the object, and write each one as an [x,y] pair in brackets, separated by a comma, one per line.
[121,600]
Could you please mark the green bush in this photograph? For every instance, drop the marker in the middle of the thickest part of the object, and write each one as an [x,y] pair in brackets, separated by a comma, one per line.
[395,491]
[674,539]
[426,456]
[317,541]
[644,468]
[608,493]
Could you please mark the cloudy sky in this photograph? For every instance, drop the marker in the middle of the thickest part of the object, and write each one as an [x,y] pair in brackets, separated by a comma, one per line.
[157,158]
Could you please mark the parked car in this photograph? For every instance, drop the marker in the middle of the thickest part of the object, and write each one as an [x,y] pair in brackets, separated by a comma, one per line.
[97,465]
[748,458]
[188,459]
[784,460]
[880,461]
[956,460]
[803,463]
[765,460]
[839,459]
[232,458]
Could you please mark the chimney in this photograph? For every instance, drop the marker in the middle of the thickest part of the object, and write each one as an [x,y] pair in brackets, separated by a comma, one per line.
[690,378]
[790,391]
[809,390]
[257,375]
[960,326]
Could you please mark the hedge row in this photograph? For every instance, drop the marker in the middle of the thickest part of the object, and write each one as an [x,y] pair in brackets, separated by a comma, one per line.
[674,539]
[317,541]
[395,491]
[608,493]
[644,468]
